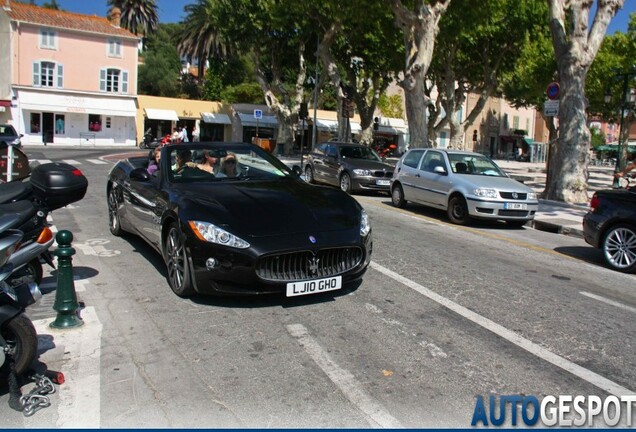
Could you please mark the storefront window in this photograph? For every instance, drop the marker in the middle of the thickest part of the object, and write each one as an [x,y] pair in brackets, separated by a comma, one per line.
[59,124]
[35,123]
[94,122]
[108,121]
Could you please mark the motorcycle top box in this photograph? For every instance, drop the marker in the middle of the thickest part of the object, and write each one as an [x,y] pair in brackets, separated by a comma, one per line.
[58,184]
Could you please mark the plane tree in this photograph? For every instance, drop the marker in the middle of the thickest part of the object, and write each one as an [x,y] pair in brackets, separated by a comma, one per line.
[575,46]
[474,49]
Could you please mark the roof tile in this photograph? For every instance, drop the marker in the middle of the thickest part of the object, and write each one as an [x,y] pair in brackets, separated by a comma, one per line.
[65,20]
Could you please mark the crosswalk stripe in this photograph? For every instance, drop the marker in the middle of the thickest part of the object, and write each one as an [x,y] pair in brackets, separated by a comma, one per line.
[42,161]
[72,162]
[96,161]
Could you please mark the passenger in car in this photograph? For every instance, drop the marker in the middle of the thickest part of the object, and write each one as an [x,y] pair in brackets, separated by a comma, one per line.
[461,168]
[153,166]
[209,164]
[229,166]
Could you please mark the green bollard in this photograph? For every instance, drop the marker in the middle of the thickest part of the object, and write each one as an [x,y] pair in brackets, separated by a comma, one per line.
[65,298]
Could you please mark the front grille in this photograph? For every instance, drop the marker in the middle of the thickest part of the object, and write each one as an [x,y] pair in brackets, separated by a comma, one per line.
[518,213]
[297,266]
[383,174]
[508,195]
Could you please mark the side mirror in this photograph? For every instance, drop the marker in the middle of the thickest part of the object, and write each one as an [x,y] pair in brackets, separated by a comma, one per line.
[439,170]
[140,174]
[297,170]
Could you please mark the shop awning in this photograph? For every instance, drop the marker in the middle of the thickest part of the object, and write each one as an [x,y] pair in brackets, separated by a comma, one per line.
[330,125]
[529,141]
[217,118]
[83,104]
[161,114]
[266,121]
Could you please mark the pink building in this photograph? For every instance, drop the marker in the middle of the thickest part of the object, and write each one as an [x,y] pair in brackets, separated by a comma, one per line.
[67,78]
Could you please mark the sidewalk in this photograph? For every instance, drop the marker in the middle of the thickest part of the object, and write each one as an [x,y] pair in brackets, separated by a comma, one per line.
[552,216]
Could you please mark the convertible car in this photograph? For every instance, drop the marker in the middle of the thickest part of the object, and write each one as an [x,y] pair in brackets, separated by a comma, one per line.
[253,229]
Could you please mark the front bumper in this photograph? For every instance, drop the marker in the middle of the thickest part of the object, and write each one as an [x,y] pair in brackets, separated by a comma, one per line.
[496,210]
[236,269]
[371,184]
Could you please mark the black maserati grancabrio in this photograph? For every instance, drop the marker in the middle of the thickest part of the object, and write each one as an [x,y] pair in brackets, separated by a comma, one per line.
[230,218]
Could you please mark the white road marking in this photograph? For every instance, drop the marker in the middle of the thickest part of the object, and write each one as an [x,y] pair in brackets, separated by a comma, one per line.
[537,350]
[80,352]
[72,162]
[344,380]
[97,161]
[608,301]
[42,161]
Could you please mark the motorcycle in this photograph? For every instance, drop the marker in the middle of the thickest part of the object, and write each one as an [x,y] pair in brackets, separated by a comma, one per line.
[52,186]
[149,141]
[18,338]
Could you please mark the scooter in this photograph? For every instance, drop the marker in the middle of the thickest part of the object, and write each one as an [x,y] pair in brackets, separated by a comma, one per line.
[149,141]
[18,338]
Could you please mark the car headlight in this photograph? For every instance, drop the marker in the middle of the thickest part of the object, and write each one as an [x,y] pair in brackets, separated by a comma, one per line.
[532,196]
[486,193]
[213,234]
[16,142]
[365,226]
[362,172]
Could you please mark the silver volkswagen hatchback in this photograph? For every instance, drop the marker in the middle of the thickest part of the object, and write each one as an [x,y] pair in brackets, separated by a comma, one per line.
[464,184]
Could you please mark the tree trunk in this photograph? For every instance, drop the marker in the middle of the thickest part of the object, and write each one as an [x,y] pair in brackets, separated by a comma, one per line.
[575,47]
[420,27]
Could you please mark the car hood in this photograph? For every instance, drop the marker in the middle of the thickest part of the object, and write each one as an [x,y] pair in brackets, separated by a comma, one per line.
[492,182]
[368,165]
[261,209]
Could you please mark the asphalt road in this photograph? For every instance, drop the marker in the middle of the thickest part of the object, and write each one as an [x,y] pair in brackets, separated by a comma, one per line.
[444,314]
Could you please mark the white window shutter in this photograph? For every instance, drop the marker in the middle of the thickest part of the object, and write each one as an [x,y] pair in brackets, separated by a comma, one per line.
[102,80]
[36,74]
[124,82]
[60,76]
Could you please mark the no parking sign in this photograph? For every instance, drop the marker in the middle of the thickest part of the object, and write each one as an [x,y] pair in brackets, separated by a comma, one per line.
[553,91]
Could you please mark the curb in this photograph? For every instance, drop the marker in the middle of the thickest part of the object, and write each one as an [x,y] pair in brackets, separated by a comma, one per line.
[554,228]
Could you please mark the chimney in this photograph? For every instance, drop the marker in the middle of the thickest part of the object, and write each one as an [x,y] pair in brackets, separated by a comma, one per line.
[115,16]
[7,5]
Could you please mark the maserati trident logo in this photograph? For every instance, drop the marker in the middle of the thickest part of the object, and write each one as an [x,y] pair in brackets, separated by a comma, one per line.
[313,265]
[312,239]
[515,195]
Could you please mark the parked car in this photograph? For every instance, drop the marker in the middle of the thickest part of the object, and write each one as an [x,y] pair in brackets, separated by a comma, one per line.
[610,226]
[8,135]
[352,167]
[263,231]
[464,184]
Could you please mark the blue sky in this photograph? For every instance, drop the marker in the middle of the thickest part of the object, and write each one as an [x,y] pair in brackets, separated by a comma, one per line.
[172,10]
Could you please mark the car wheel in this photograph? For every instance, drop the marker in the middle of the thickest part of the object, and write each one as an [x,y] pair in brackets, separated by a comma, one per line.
[458,210]
[176,257]
[397,196]
[114,221]
[345,182]
[619,248]
[309,175]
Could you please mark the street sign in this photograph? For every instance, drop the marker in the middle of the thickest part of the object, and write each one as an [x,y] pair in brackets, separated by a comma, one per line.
[551,108]
[258,114]
[553,91]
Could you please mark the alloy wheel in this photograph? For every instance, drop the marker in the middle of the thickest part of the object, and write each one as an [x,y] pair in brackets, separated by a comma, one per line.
[619,248]
[113,213]
[175,256]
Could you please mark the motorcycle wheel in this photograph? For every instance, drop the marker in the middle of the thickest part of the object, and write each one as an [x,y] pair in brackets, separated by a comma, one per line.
[22,340]
[31,272]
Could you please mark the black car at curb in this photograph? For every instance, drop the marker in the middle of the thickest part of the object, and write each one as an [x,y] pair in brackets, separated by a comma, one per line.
[263,231]
[350,166]
[610,226]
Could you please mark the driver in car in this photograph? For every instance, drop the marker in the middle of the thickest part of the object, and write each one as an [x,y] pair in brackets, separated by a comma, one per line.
[183,157]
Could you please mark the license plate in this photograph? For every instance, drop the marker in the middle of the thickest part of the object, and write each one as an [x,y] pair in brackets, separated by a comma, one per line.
[383,182]
[314,286]
[515,206]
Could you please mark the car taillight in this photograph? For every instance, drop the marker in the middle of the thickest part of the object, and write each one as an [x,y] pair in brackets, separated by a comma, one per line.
[594,202]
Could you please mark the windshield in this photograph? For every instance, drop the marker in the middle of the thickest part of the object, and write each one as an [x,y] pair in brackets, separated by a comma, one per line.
[472,164]
[222,162]
[358,152]
[7,130]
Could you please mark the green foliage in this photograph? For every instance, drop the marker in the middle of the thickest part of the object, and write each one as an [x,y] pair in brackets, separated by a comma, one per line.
[598,137]
[138,16]
[160,72]
[391,106]
[243,93]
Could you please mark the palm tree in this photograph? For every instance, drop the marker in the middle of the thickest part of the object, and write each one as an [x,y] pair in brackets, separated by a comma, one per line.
[199,38]
[138,16]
